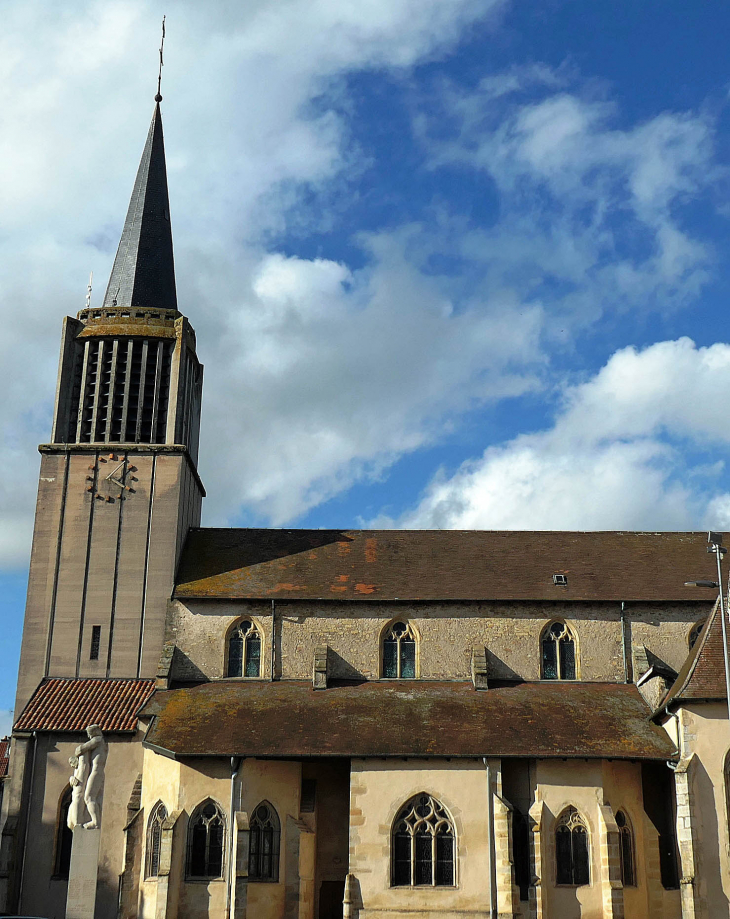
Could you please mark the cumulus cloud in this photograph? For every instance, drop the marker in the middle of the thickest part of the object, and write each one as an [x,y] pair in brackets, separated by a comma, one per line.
[628,450]
[589,209]
[320,373]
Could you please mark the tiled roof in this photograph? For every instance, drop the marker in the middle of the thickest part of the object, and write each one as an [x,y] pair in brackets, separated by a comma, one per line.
[703,674]
[409,718]
[442,565]
[4,756]
[72,705]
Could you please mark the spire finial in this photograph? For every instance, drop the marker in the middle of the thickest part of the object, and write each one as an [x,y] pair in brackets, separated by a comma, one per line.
[158,97]
[88,291]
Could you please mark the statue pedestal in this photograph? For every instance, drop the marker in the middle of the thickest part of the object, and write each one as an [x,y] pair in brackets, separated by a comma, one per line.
[81,898]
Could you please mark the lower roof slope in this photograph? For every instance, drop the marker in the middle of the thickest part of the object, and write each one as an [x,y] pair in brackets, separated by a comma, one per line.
[414,718]
[72,705]
[442,565]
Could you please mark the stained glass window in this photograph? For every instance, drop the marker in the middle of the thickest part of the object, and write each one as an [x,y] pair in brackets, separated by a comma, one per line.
[205,842]
[154,840]
[399,652]
[244,650]
[628,871]
[558,653]
[263,852]
[423,845]
[571,849]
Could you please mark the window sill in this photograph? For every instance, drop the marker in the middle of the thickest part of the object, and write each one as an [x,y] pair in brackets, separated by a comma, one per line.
[217,880]
[263,880]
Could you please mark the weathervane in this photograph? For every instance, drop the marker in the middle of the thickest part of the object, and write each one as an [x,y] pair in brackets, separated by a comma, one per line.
[158,97]
[88,291]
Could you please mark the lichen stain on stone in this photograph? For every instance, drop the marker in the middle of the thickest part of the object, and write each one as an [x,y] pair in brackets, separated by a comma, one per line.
[365,588]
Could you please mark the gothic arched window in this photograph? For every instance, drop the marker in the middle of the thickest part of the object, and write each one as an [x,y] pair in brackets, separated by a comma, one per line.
[399,652]
[571,849]
[154,839]
[558,652]
[206,832]
[263,852]
[694,633]
[244,650]
[626,840]
[422,845]
[64,837]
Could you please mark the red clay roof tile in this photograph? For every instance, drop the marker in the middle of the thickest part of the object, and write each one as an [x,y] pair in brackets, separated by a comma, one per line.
[703,673]
[72,705]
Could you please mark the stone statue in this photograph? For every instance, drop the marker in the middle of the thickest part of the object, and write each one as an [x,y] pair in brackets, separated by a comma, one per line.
[95,753]
[76,810]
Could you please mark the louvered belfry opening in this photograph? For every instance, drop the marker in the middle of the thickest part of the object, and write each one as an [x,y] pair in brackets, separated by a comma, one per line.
[121,391]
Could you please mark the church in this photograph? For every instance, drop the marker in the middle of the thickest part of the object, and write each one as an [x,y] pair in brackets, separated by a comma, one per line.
[342,724]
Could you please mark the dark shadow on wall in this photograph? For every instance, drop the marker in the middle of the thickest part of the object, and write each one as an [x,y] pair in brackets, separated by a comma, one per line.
[340,669]
[708,839]
[498,670]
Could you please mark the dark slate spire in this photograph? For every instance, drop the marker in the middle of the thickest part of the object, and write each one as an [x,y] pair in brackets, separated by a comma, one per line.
[144,273]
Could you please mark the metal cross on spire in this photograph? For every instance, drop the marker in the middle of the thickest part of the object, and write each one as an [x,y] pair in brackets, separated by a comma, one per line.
[158,97]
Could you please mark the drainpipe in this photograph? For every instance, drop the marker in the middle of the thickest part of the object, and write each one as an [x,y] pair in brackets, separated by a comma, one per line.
[273,640]
[34,737]
[236,762]
[624,650]
[492,844]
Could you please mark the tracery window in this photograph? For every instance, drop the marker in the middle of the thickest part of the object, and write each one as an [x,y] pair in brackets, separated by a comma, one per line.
[694,633]
[206,832]
[64,837]
[244,650]
[263,852]
[558,652]
[399,652]
[422,845]
[571,849]
[626,840]
[154,839]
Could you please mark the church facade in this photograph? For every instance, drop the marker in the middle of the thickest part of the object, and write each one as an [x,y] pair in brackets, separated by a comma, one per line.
[315,724]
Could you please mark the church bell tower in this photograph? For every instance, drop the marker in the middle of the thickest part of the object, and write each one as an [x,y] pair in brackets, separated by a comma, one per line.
[118,486]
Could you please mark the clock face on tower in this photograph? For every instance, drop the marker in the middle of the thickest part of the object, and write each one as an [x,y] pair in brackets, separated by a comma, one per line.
[111,478]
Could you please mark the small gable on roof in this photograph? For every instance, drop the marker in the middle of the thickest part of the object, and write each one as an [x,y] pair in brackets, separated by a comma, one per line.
[703,673]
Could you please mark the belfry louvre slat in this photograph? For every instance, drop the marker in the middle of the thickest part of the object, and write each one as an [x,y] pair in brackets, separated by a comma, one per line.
[121,391]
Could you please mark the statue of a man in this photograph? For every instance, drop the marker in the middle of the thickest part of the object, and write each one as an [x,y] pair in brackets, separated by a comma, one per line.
[96,750]
[76,810]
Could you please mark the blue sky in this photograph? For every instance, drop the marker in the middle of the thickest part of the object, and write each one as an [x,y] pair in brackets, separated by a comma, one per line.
[452,263]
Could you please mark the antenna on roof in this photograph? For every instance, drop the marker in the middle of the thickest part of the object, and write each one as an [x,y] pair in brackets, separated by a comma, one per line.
[88,291]
[158,97]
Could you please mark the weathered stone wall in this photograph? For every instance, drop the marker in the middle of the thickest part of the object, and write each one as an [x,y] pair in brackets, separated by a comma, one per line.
[447,634]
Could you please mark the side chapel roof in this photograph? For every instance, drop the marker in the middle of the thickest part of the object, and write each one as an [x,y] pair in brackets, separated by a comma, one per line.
[72,705]
[413,718]
[442,565]
[703,673]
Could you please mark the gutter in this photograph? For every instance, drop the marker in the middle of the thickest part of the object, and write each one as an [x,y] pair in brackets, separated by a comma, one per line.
[236,762]
[34,737]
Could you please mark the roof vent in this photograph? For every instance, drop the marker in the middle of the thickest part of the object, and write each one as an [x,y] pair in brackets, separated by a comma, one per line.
[560,580]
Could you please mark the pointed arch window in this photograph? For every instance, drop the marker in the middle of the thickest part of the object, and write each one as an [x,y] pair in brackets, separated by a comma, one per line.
[626,845]
[571,849]
[244,650]
[694,633]
[206,834]
[154,839]
[558,652]
[64,837]
[422,845]
[264,841]
[399,652]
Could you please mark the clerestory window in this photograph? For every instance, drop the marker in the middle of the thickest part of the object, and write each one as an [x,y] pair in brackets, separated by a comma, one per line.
[399,652]
[244,650]
[422,845]
[206,833]
[558,652]
[154,839]
[571,849]
[264,841]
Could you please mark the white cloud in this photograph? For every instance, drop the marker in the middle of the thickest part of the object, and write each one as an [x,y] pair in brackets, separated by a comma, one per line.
[317,374]
[617,457]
